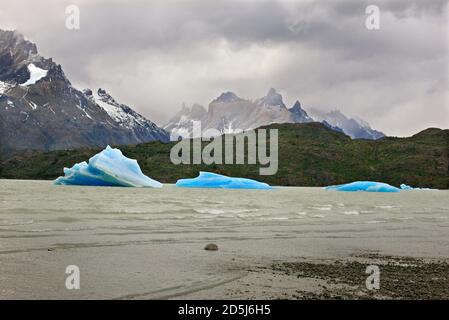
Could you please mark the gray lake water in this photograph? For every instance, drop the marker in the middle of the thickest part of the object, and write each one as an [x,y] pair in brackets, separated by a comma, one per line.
[118,231]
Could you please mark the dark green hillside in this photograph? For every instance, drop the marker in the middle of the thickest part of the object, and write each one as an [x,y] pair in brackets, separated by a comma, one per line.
[309,155]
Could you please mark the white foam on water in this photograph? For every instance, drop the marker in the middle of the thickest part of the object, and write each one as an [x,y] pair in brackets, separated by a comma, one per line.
[41,230]
[376,221]
[322,207]
[273,218]
[353,213]
[16,222]
[385,207]
[209,211]
[222,211]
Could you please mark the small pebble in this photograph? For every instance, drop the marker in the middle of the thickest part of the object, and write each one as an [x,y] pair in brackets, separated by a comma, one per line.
[211,247]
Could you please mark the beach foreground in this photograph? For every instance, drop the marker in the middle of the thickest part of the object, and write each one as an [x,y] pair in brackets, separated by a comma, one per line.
[288,243]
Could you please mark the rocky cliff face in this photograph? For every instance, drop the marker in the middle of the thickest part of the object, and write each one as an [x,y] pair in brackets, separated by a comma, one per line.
[40,109]
[143,129]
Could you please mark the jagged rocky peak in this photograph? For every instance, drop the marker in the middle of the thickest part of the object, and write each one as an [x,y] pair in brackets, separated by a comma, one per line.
[228,112]
[272,99]
[125,116]
[227,97]
[296,106]
[19,58]
[103,95]
[40,109]
[353,127]
[88,92]
[299,114]
[197,110]
[337,114]
[17,44]
[297,109]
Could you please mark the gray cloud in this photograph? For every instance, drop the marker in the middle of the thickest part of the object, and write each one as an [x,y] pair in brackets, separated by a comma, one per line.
[154,55]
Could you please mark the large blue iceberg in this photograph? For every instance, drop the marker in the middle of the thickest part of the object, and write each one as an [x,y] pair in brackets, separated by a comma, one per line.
[214,180]
[368,186]
[107,168]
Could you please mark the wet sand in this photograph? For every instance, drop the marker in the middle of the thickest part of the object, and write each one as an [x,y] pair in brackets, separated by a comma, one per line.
[235,271]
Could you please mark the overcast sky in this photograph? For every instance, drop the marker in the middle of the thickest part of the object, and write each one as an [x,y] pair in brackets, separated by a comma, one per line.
[155,55]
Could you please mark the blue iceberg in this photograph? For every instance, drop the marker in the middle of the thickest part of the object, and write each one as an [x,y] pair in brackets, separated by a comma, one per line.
[368,186]
[107,168]
[214,180]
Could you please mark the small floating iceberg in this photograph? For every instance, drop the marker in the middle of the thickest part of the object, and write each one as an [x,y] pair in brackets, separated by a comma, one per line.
[368,186]
[214,180]
[107,168]
[407,187]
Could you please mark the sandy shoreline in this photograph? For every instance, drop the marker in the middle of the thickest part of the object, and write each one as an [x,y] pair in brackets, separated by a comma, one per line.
[186,271]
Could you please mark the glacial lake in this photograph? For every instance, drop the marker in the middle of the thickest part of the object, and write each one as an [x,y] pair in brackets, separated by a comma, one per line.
[131,243]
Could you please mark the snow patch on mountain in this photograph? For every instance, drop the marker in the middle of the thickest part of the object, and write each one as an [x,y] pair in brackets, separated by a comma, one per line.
[181,125]
[108,104]
[4,87]
[36,74]
[32,105]
[126,117]
[120,113]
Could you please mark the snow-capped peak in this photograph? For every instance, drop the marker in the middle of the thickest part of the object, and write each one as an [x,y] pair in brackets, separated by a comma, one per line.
[112,108]
[124,115]
[41,109]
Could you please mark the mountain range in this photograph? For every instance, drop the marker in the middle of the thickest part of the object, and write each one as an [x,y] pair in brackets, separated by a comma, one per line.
[229,113]
[40,109]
